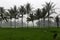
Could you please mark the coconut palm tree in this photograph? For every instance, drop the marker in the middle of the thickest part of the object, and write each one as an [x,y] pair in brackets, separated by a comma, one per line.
[22,11]
[44,14]
[57,21]
[28,10]
[38,14]
[1,14]
[13,13]
[41,13]
[50,9]
[31,18]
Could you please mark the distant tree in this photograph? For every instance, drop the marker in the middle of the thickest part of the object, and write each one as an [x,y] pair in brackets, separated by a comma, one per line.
[44,11]
[31,18]
[28,10]
[38,14]
[2,15]
[6,16]
[50,9]
[13,13]
[57,21]
[22,11]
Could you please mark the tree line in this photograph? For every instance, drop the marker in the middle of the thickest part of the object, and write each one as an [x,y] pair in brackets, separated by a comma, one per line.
[36,14]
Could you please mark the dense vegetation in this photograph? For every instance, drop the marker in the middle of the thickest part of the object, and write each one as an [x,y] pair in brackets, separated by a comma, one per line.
[29,34]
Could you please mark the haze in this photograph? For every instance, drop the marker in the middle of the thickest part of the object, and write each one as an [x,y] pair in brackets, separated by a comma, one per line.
[35,3]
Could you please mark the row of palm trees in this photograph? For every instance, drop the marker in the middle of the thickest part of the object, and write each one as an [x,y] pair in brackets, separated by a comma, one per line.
[14,12]
[32,15]
[45,12]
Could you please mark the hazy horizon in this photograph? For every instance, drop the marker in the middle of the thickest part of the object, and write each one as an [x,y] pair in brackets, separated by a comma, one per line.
[34,3]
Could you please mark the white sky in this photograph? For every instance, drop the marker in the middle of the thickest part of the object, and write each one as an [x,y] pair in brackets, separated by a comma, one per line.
[35,3]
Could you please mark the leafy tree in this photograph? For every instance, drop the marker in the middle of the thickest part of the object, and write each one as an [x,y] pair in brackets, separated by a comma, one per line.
[50,9]
[31,18]
[44,14]
[22,11]
[13,13]
[2,15]
[28,10]
[38,14]
[57,21]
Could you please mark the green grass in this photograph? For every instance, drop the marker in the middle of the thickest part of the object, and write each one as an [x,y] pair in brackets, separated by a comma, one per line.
[28,34]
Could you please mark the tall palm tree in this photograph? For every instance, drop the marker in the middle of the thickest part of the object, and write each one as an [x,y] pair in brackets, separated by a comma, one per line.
[49,7]
[22,11]
[41,13]
[1,14]
[38,14]
[13,13]
[6,16]
[31,18]
[28,10]
[44,14]
[57,21]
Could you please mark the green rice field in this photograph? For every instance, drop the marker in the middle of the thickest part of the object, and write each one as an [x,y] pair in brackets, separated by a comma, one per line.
[28,33]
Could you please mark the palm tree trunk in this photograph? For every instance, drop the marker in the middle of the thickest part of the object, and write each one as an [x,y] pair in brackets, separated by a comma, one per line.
[22,20]
[48,18]
[44,21]
[39,22]
[57,24]
[48,21]
[15,23]
[33,23]
[27,24]
[1,23]
[27,21]
[11,23]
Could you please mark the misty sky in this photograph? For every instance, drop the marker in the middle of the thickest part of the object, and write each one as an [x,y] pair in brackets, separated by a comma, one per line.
[34,3]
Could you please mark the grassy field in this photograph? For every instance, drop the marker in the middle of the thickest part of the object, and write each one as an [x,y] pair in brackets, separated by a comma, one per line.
[28,34]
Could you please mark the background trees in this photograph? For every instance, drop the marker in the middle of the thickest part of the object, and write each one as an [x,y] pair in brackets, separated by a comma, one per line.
[50,9]
[31,18]
[38,14]
[28,10]
[32,15]
[22,11]
[13,12]
[57,21]
[2,15]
